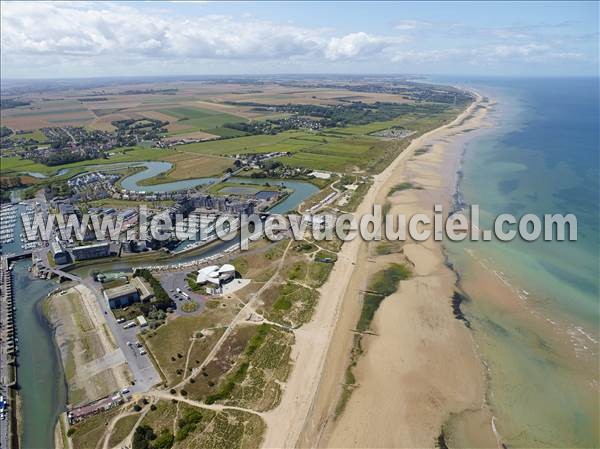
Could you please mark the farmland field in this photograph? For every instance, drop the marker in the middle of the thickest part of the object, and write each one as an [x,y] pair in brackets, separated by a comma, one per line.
[198,110]
[339,149]
[189,166]
[206,106]
[249,144]
[200,119]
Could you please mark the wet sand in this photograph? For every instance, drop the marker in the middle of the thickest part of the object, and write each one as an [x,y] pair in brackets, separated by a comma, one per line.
[519,341]
[420,367]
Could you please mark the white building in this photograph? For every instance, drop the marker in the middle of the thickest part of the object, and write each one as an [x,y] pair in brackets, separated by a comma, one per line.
[215,275]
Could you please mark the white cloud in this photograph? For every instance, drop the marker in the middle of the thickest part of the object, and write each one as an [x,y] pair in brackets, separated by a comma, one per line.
[68,38]
[69,30]
[356,45]
[409,25]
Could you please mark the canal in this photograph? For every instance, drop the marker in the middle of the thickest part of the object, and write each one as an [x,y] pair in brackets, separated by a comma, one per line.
[41,381]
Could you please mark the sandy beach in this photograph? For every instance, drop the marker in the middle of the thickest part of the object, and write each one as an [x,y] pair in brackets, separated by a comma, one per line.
[420,366]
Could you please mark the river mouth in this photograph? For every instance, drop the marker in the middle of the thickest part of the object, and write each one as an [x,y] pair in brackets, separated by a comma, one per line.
[40,376]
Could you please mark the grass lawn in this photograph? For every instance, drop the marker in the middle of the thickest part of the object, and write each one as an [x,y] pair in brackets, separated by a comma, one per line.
[18,165]
[199,166]
[308,150]
[248,144]
[88,432]
[340,150]
[169,344]
[241,188]
[35,135]
[122,429]
[227,132]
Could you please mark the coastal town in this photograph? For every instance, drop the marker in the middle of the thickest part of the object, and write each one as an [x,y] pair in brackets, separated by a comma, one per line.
[269,225]
[191,326]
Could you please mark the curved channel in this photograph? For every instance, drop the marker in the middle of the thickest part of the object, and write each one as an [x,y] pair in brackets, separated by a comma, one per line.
[300,189]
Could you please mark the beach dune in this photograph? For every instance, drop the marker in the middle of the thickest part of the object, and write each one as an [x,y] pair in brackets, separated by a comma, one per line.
[420,368]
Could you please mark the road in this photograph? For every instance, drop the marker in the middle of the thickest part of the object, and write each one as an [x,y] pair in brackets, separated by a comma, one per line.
[173,280]
[144,373]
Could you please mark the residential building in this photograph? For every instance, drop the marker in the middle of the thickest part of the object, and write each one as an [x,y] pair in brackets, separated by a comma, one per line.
[94,251]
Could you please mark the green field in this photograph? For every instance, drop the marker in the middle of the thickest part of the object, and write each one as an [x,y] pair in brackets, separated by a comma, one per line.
[308,150]
[249,144]
[337,149]
[204,120]
[35,135]
[249,189]
[227,132]
[13,165]
[17,165]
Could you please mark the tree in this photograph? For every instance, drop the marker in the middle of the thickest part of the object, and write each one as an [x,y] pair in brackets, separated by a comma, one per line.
[164,441]
[142,437]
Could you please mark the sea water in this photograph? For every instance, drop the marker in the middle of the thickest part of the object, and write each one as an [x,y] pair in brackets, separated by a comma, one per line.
[534,307]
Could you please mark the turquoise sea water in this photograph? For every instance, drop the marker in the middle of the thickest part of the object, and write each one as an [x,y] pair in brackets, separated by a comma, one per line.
[543,158]
[540,156]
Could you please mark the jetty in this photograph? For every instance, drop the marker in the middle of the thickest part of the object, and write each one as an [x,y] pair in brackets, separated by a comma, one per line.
[8,357]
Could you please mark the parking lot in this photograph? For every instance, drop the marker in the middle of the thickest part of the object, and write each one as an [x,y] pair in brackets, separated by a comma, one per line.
[144,373]
[171,282]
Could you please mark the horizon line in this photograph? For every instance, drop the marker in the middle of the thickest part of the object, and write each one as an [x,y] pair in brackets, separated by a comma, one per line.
[321,74]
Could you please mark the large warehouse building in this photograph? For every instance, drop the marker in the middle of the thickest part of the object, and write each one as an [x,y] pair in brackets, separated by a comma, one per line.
[125,295]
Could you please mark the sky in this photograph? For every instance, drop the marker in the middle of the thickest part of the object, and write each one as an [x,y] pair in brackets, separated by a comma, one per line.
[93,39]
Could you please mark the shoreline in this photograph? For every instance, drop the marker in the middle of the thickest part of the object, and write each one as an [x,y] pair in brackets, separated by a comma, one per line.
[519,330]
[305,410]
[408,391]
